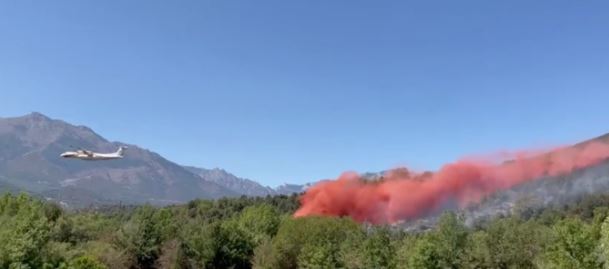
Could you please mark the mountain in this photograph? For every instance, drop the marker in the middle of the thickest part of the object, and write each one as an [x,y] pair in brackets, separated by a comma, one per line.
[246,186]
[29,160]
[294,188]
[236,184]
[290,188]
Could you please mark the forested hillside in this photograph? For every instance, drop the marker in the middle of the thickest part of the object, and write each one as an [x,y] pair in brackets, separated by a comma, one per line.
[260,233]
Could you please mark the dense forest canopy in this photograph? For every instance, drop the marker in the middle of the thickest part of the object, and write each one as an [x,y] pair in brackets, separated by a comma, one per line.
[261,233]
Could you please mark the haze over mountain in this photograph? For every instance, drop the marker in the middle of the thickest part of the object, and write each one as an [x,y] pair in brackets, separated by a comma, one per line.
[29,160]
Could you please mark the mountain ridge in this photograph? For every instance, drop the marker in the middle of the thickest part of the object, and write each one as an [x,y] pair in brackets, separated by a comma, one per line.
[29,160]
[237,184]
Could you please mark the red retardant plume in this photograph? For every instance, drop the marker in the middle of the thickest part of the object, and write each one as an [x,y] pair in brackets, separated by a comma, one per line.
[404,195]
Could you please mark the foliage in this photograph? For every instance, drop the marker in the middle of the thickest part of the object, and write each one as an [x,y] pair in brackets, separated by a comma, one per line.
[86,262]
[142,235]
[310,242]
[378,251]
[574,245]
[260,233]
[25,231]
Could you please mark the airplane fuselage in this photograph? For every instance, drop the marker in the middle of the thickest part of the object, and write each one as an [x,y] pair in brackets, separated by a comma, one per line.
[93,156]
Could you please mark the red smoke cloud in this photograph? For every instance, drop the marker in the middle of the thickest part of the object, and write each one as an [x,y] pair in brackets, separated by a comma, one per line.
[404,195]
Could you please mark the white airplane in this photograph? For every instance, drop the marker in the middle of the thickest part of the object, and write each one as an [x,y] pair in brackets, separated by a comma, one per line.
[94,156]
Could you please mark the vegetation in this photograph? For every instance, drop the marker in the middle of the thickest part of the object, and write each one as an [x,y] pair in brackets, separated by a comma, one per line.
[260,233]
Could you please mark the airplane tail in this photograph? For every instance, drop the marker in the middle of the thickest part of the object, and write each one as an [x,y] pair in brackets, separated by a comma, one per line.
[121,150]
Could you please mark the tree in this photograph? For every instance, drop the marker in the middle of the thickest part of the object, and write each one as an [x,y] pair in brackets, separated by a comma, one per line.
[441,248]
[24,232]
[318,255]
[86,262]
[424,254]
[263,255]
[477,253]
[450,238]
[351,250]
[509,243]
[109,254]
[604,244]
[235,248]
[143,235]
[259,222]
[216,245]
[574,245]
[198,248]
[378,250]
[310,241]
[405,250]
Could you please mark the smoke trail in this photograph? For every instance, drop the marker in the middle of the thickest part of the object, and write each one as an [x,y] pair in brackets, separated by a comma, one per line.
[405,195]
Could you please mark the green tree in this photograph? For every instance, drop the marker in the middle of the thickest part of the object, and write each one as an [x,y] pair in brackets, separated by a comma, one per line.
[310,241]
[351,250]
[235,247]
[603,244]
[574,245]
[477,253]
[199,246]
[24,231]
[318,255]
[509,243]
[86,262]
[424,254]
[259,222]
[263,255]
[143,235]
[405,249]
[378,251]
[443,247]
[216,245]
[450,238]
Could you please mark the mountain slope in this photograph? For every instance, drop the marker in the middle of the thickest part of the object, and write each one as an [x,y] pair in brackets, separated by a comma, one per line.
[534,194]
[551,190]
[236,184]
[246,186]
[30,160]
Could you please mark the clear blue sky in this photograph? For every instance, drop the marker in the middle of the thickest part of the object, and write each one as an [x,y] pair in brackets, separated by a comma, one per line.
[295,91]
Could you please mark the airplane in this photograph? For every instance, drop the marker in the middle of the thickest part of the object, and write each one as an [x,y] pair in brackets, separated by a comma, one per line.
[94,156]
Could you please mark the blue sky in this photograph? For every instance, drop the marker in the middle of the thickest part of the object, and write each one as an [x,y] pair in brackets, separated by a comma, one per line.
[296,91]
